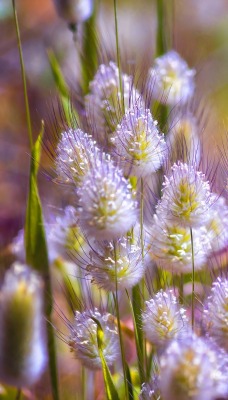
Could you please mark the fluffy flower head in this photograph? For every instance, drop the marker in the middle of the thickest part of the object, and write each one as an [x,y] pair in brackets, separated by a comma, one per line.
[107,208]
[164,319]
[139,145]
[216,312]
[121,262]
[186,196]
[192,370]
[104,104]
[171,79]
[83,338]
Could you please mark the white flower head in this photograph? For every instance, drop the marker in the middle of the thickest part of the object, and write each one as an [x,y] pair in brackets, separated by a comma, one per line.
[74,11]
[76,152]
[83,338]
[193,370]
[22,343]
[164,319]
[171,79]
[107,207]
[186,197]
[216,312]
[104,104]
[116,263]
[171,248]
[140,146]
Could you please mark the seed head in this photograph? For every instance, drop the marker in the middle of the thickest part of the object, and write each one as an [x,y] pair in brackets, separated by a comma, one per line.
[186,197]
[104,104]
[140,147]
[193,370]
[171,248]
[171,79]
[119,263]
[74,11]
[216,312]
[107,208]
[83,339]
[22,344]
[164,319]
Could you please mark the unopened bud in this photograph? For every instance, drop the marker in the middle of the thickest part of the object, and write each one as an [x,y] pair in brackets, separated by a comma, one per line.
[74,11]
[22,344]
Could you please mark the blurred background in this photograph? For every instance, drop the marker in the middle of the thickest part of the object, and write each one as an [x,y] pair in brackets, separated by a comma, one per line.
[200,35]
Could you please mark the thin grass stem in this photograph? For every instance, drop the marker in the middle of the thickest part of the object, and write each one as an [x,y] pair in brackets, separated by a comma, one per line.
[27,109]
[18,394]
[193,280]
[118,54]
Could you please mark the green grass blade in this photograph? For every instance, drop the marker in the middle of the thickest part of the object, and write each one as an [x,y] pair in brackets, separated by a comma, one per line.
[37,254]
[111,391]
[89,55]
[136,308]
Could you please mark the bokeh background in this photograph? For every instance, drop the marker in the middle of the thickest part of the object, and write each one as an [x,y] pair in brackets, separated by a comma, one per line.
[200,35]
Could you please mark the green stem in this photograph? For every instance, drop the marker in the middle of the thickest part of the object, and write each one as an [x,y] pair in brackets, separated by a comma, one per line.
[116,301]
[193,278]
[118,56]
[161,37]
[28,117]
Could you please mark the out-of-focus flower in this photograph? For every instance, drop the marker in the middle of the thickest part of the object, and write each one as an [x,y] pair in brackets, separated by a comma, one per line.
[106,104]
[118,263]
[217,225]
[150,391]
[22,341]
[140,147]
[171,79]
[107,207]
[183,140]
[186,197]
[216,312]
[74,11]
[83,338]
[164,319]
[171,248]
[193,370]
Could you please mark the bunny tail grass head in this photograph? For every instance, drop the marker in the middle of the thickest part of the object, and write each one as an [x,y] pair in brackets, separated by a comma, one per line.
[22,342]
[83,338]
[74,11]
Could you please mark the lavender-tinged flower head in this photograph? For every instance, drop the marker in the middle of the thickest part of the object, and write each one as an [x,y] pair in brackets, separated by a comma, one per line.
[193,370]
[186,197]
[171,248]
[74,11]
[216,312]
[140,146]
[150,390]
[22,343]
[105,105]
[83,338]
[76,152]
[119,263]
[107,207]
[171,79]
[164,319]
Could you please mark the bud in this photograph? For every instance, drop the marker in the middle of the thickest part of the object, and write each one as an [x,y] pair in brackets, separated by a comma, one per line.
[74,11]
[22,346]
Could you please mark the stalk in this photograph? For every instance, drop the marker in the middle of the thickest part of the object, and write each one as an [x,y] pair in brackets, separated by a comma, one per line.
[27,109]
[118,55]
[116,301]
[193,279]
[18,394]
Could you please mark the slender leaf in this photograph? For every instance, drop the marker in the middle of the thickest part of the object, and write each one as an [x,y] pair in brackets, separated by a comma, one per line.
[37,254]
[111,391]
